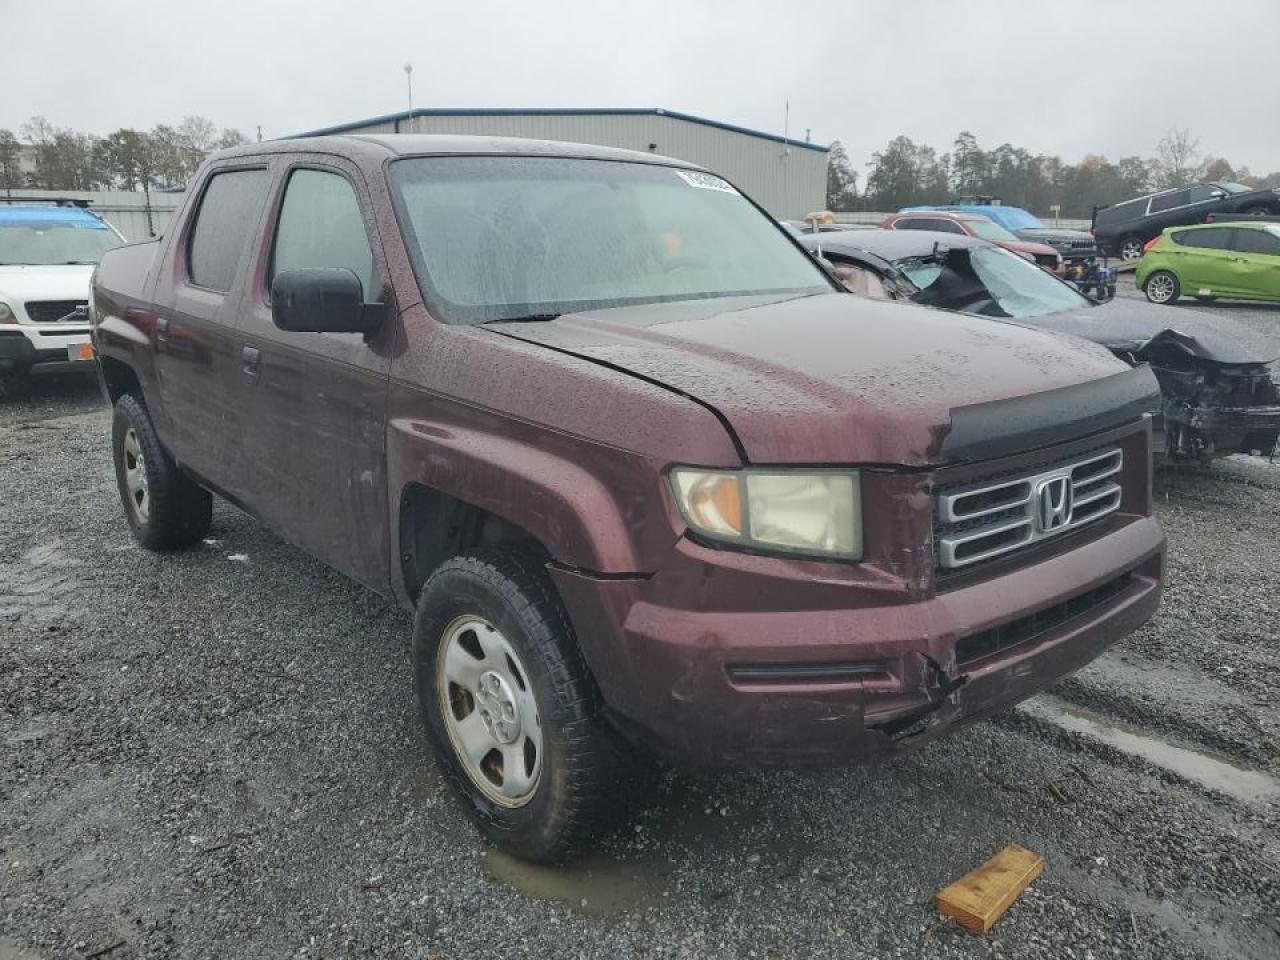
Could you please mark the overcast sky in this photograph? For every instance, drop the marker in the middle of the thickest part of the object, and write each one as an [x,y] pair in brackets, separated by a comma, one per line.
[1067,77]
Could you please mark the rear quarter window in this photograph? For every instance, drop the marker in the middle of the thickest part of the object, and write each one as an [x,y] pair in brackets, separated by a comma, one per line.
[1256,241]
[1202,239]
[229,212]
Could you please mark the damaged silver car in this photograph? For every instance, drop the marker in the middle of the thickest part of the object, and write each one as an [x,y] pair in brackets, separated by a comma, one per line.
[1217,393]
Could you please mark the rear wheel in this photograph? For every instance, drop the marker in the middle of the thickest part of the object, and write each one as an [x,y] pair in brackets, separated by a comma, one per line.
[166,509]
[1162,287]
[1130,249]
[1258,211]
[510,707]
[13,384]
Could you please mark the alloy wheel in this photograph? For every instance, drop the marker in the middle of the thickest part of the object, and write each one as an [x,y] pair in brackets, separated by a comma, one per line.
[489,711]
[1160,288]
[135,476]
[1130,250]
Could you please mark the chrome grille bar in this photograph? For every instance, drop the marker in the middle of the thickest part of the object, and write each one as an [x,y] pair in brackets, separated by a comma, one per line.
[992,518]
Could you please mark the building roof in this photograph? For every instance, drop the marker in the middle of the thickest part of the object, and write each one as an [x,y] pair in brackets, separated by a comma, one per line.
[558,112]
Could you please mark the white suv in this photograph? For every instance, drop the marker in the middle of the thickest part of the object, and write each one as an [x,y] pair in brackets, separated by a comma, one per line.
[47,255]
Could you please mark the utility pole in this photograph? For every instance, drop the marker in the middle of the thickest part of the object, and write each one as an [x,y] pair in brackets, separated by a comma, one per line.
[408,76]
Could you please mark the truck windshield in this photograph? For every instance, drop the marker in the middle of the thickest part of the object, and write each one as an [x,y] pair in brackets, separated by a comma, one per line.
[506,238]
[44,244]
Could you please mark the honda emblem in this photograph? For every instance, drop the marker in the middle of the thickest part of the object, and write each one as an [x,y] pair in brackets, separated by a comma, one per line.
[1053,502]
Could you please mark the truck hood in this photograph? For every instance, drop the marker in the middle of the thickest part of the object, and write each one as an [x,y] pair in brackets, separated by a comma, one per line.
[1137,327]
[833,378]
[1050,234]
[20,282]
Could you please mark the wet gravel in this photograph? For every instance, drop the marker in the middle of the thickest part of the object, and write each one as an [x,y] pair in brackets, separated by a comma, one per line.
[216,754]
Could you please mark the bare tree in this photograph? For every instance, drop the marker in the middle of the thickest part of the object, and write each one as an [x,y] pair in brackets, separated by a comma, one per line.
[10,161]
[1177,159]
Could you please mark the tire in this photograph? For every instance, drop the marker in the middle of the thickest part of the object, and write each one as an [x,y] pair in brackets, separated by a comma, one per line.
[14,384]
[502,605]
[1162,287]
[166,509]
[1129,249]
[1259,211]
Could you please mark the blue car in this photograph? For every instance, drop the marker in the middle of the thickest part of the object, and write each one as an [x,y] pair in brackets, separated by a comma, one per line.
[1076,246]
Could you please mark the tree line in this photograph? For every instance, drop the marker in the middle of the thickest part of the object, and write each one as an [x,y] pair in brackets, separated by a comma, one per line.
[64,159]
[906,173]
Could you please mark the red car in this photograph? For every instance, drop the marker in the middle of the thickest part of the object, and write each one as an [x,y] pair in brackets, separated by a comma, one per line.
[1041,254]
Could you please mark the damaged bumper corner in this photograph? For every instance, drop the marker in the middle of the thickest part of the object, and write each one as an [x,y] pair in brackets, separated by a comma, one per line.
[797,680]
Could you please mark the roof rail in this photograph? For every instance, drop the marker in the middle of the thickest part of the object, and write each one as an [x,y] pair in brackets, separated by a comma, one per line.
[56,201]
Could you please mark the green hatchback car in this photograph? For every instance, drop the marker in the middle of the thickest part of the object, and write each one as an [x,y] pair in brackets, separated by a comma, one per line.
[1239,261]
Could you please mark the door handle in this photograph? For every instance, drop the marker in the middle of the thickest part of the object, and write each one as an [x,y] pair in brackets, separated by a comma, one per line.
[162,328]
[250,356]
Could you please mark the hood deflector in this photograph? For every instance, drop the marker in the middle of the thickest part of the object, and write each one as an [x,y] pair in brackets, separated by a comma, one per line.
[998,428]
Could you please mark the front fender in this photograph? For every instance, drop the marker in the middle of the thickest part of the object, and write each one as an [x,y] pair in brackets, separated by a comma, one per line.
[593,507]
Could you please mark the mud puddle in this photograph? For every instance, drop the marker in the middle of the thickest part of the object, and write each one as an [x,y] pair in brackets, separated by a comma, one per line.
[599,885]
[1198,766]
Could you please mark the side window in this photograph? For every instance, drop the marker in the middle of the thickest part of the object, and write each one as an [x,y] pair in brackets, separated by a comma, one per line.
[1256,241]
[1212,239]
[320,226]
[928,223]
[1202,192]
[910,223]
[1167,201]
[228,214]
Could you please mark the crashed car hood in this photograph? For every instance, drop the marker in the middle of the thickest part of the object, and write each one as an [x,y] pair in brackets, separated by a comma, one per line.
[1130,326]
[833,378]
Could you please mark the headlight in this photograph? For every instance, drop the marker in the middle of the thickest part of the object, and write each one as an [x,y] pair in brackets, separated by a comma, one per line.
[6,313]
[807,512]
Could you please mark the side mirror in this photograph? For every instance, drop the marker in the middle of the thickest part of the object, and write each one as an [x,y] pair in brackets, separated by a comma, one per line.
[1218,194]
[322,300]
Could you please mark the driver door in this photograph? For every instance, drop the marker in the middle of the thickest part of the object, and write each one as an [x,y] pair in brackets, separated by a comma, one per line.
[315,403]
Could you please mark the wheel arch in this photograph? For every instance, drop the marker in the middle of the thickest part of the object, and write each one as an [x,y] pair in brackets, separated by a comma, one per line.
[456,487]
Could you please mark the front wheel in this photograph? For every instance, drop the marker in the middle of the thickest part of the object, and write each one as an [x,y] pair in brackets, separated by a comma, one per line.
[1130,249]
[1257,212]
[13,384]
[510,707]
[1162,287]
[166,509]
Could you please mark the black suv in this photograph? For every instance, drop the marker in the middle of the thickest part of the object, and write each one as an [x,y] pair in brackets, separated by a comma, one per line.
[1123,228]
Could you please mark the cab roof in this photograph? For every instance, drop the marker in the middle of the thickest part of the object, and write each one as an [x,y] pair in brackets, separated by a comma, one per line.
[369,145]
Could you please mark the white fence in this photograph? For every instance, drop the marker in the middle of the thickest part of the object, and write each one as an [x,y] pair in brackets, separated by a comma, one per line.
[128,212]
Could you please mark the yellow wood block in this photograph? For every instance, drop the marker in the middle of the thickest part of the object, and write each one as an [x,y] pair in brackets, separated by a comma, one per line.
[979,898]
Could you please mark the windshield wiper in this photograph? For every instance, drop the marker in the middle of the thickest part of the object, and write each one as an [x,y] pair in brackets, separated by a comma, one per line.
[527,318]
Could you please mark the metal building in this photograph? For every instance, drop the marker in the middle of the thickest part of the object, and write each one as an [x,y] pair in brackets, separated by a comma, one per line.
[787,177]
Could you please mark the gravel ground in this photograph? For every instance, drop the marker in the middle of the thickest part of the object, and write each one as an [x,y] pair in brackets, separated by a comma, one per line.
[217,754]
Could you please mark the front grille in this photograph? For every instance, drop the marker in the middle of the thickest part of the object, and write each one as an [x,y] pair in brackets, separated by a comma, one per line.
[1025,629]
[991,517]
[51,311]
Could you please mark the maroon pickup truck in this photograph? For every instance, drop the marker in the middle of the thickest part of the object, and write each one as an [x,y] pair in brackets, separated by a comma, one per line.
[653,483]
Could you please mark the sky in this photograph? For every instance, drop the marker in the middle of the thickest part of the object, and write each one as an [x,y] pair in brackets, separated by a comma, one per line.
[1068,77]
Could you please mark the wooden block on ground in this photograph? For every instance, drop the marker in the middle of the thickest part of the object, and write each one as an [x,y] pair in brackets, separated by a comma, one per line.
[979,898]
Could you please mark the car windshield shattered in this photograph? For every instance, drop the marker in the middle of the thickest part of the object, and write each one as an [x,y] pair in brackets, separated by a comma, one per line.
[989,281]
[52,244]
[510,238]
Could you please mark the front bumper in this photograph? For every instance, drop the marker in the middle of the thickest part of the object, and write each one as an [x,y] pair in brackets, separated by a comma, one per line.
[669,652]
[24,347]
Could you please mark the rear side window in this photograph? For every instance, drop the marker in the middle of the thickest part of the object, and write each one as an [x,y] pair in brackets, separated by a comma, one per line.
[1121,212]
[927,223]
[1256,241]
[1178,198]
[1202,239]
[228,215]
[321,226]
